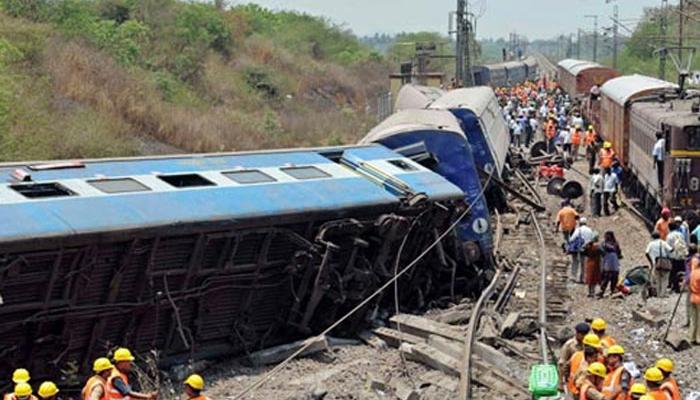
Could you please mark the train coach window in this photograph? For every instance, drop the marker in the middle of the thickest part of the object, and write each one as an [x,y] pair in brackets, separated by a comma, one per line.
[248,177]
[125,185]
[403,165]
[42,190]
[186,180]
[304,173]
[693,133]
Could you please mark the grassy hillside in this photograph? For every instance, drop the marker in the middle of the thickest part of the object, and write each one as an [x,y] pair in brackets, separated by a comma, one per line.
[81,78]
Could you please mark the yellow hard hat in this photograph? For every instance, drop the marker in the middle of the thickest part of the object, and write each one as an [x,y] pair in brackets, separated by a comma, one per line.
[123,354]
[23,389]
[597,369]
[615,350]
[48,389]
[592,340]
[102,364]
[653,374]
[646,397]
[599,324]
[638,388]
[20,375]
[590,127]
[195,382]
[665,365]
[607,145]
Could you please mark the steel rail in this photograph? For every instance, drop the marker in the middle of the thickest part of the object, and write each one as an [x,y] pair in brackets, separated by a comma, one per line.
[543,290]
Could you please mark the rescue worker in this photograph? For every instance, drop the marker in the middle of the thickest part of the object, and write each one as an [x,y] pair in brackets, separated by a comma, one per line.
[618,378]
[23,391]
[607,156]
[576,138]
[95,388]
[591,142]
[569,348]
[662,224]
[118,387]
[669,384]
[566,219]
[48,391]
[592,384]
[578,362]
[654,379]
[598,326]
[194,384]
[637,391]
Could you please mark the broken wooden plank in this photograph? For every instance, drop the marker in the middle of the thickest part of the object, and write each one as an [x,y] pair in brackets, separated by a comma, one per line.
[277,354]
[508,329]
[373,340]
[648,317]
[424,327]
[394,338]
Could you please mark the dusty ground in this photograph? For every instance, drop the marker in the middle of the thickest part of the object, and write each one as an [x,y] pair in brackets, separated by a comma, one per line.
[642,342]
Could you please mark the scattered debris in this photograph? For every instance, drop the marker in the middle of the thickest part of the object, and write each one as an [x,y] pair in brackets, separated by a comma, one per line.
[277,354]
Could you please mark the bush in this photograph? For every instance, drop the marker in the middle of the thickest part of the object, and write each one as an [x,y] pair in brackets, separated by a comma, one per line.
[35,10]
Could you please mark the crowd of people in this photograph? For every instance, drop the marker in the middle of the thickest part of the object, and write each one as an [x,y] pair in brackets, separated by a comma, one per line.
[110,381]
[591,363]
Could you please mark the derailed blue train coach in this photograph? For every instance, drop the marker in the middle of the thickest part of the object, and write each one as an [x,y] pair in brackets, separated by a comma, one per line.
[202,256]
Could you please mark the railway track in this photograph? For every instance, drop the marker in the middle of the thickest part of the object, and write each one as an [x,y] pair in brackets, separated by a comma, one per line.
[546,66]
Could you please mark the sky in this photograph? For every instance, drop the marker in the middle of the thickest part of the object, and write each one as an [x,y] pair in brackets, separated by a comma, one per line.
[537,19]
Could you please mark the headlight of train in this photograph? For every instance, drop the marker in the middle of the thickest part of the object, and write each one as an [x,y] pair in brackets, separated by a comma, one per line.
[694,183]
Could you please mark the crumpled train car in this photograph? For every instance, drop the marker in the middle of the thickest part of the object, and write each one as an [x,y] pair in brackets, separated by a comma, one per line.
[202,256]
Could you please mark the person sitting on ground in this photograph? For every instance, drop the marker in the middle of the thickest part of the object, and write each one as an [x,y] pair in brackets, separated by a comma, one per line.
[580,360]
[669,384]
[569,348]
[658,253]
[637,391]
[618,379]
[611,263]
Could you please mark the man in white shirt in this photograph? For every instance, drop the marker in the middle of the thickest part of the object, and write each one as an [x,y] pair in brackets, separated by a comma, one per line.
[596,191]
[658,153]
[576,120]
[656,249]
[610,184]
[544,110]
[565,139]
[582,235]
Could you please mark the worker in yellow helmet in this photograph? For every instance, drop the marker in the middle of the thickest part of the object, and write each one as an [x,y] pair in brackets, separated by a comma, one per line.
[669,384]
[654,378]
[194,384]
[23,391]
[637,391]
[591,388]
[599,326]
[606,156]
[96,387]
[118,387]
[579,362]
[20,375]
[619,379]
[48,391]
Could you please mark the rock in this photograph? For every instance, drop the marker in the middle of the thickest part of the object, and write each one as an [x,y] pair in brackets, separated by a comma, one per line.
[375,383]
[372,340]
[508,330]
[678,341]
[648,317]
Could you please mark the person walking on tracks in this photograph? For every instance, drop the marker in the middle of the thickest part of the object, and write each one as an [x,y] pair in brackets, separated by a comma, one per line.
[577,246]
[194,385]
[576,139]
[610,185]
[618,379]
[95,387]
[611,263]
[118,387]
[658,254]
[607,156]
[591,142]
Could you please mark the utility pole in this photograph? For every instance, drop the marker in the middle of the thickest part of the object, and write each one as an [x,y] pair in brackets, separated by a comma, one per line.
[595,36]
[578,44]
[664,30]
[615,34]
[681,19]
[468,78]
[459,18]
[463,33]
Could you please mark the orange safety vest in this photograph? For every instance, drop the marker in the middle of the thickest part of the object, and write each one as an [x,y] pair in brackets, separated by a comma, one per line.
[200,397]
[112,392]
[659,394]
[584,389]
[94,380]
[606,158]
[576,138]
[607,342]
[574,364]
[612,382]
[591,137]
[11,396]
[671,387]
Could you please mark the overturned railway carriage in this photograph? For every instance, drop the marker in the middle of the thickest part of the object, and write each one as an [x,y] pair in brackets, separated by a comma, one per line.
[436,139]
[416,97]
[211,255]
[679,121]
[506,73]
